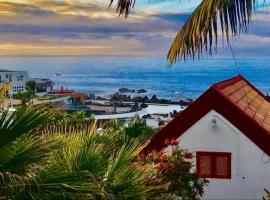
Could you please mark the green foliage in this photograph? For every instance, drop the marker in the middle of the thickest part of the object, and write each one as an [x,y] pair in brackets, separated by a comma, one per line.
[24,97]
[200,31]
[174,169]
[138,128]
[30,87]
[79,117]
[24,120]
[98,164]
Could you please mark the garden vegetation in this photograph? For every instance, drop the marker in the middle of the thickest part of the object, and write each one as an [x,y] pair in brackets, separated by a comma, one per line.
[101,162]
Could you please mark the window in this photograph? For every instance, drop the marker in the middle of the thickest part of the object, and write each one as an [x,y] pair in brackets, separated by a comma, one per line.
[214,164]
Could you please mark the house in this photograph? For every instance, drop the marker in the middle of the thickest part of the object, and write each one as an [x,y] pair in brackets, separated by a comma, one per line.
[228,131]
[43,85]
[16,80]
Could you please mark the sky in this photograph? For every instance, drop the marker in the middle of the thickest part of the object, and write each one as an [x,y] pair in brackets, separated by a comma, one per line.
[89,27]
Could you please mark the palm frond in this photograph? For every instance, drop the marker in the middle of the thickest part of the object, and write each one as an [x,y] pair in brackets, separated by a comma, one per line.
[53,183]
[20,122]
[200,32]
[124,156]
[123,6]
[4,88]
[124,180]
[29,151]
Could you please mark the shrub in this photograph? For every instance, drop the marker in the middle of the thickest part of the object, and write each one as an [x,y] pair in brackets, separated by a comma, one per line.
[174,169]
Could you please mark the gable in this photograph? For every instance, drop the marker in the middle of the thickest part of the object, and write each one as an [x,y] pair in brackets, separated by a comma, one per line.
[212,99]
[203,136]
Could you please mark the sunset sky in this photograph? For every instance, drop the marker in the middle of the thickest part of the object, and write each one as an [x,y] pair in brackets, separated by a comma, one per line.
[89,27]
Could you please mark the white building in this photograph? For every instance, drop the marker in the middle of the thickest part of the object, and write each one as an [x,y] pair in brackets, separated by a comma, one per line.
[228,131]
[16,79]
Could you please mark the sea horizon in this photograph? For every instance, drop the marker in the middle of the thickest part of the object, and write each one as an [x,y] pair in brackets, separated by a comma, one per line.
[104,75]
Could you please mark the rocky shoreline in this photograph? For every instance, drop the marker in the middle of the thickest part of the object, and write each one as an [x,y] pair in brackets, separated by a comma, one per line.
[127,90]
[126,95]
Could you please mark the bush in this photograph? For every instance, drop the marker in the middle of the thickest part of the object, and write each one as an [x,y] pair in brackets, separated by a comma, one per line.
[99,164]
[24,97]
[174,169]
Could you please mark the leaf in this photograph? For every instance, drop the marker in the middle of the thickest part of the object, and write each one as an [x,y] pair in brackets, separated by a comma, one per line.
[201,28]
[28,151]
[24,120]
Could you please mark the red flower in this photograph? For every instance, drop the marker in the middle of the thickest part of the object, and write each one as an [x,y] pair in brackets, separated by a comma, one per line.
[188,155]
[160,167]
[174,142]
[167,142]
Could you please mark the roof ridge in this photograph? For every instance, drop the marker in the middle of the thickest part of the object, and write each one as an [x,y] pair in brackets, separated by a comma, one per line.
[230,81]
[222,84]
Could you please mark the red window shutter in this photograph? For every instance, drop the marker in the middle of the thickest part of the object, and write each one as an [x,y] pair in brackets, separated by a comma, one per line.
[205,165]
[222,166]
[214,164]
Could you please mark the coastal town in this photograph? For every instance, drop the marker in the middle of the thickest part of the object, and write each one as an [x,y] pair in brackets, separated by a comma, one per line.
[123,105]
[134,100]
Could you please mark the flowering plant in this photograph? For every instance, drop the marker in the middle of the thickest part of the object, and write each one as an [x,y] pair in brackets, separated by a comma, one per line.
[174,170]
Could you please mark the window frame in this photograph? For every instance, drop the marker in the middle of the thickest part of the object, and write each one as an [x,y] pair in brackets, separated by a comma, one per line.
[213,156]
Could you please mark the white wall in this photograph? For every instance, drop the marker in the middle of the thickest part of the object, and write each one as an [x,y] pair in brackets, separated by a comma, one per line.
[18,80]
[250,175]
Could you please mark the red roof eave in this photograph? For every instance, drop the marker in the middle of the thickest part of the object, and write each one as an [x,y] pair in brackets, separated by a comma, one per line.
[212,99]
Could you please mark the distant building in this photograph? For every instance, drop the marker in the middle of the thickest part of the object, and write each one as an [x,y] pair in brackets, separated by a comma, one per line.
[16,80]
[227,129]
[43,85]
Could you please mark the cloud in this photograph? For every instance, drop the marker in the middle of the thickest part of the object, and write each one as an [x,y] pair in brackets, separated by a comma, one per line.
[89,27]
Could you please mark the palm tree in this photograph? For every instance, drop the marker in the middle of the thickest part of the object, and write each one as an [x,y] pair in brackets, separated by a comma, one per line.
[85,165]
[57,166]
[200,31]
[24,163]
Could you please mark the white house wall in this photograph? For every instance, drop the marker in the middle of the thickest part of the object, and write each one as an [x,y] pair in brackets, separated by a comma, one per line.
[250,166]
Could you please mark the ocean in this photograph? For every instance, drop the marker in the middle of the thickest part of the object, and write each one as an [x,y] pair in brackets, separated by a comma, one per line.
[105,75]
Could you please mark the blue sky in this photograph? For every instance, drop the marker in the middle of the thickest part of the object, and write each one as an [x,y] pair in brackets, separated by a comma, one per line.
[88,27]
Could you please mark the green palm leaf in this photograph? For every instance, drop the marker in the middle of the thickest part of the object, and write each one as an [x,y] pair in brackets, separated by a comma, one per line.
[56,184]
[29,151]
[24,120]
[200,32]
[123,6]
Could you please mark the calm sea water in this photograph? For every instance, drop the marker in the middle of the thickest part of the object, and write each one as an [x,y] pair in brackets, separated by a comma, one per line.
[104,75]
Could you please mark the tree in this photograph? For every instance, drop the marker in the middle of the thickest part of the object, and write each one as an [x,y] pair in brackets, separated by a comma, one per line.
[30,87]
[200,32]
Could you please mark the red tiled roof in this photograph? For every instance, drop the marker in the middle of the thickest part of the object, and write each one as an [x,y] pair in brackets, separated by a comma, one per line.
[248,99]
[237,100]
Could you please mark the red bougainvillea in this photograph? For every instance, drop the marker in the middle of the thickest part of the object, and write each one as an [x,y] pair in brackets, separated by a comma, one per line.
[172,142]
[174,169]
[188,155]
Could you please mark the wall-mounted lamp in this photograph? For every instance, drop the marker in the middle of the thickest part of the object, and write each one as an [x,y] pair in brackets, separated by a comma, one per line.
[213,121]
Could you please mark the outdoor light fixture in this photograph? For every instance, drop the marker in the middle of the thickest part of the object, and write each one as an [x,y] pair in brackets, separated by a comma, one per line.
[213,121]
